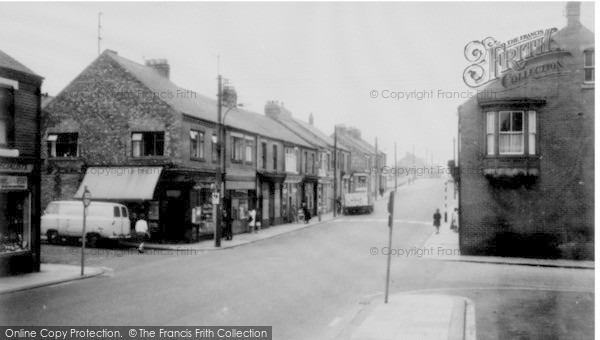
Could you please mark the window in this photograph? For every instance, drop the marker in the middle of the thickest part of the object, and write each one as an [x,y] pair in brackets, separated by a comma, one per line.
[588,66]
[511,132]
[263,155]
[6,116]
[510,139]
[531,130]
[196,144]
[117,212]
[490,132]
[238,145]
[305,162]
[249,148]
[312,163]
[63,145]
[275,157]
[214,151]
[147,144]
[290,159]
[124,212]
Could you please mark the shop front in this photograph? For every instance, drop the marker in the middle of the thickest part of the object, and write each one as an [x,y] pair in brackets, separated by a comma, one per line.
[309,193]
[19,218]
[271,190]
[292,197]
[240,198]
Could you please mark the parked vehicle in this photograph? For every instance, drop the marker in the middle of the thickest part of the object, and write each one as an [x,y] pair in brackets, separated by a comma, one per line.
[104,220]
[360,197]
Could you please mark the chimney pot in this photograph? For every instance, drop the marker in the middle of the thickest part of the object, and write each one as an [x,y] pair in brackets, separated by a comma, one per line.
[573,11]
[161,66]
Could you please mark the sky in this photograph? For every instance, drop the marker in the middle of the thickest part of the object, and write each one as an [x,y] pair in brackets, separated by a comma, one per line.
[337,60]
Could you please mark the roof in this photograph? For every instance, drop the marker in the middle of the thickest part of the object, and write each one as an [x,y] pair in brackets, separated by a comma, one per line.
[312,129]
[9,62]
[203,107]
[355,144]
[292,125]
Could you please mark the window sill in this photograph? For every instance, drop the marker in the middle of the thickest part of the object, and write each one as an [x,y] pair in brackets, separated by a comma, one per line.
[587,85]
[196,159]
[74,158]
[148,157]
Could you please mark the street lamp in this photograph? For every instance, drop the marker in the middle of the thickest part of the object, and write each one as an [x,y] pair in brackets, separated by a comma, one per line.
[221,145]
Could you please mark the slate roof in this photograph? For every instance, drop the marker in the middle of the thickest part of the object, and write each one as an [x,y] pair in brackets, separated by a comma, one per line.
[9,62]
[203,107]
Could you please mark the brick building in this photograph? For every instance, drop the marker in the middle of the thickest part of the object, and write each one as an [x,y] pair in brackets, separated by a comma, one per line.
[363,158]
[526,154]
[20,107]
[131,135]
[317,189]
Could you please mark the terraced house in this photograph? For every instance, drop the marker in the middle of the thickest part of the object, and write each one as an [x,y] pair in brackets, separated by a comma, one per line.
[131,135]
[323,183]
[20,107]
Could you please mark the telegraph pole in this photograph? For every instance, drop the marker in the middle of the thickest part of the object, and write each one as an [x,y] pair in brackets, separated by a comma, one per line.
[377,170]
[335,169]
[219,174]
[99,31]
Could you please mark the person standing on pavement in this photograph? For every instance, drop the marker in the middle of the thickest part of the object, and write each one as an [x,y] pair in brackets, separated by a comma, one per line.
[454,221]
[252,221]
[437,217]
[306,212]
[141,231]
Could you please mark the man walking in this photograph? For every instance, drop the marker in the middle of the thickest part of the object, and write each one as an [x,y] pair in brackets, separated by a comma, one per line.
[436,220]
[141,231]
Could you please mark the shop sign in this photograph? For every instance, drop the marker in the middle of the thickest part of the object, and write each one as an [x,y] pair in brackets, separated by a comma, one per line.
[13,183]
[15,167]
[491,59]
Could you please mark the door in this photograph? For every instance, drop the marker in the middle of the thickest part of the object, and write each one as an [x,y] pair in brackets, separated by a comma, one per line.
[174,218]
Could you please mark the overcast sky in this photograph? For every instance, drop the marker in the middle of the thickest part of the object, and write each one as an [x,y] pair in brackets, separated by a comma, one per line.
[323,58]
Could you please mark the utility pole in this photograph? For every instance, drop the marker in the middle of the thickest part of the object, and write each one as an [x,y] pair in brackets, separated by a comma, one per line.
[396,169]
[377,169]
[99,31]
[389,256]
[335,170]
[219,174]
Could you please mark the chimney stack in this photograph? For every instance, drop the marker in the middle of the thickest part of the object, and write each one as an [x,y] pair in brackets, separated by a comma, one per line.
[573,10]
[161,66]
[311,119]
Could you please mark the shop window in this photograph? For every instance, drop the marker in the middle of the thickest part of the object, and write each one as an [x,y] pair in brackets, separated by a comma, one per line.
[237,150]
[249,148]
[6,116]
[196,144]
[147,144]
[263,155]
[15,221]
[63,145]
[588,66]
[275,157]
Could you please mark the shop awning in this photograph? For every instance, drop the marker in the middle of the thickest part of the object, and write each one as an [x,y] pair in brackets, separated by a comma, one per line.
[240,185]
[120,183]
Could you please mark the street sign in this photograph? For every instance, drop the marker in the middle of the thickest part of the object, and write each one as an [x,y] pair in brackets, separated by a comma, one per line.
[215,197]
[87,197]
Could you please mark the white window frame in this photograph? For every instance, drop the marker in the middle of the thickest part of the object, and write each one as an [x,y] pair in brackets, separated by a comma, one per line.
[587,67]
[490,123]
[512,133]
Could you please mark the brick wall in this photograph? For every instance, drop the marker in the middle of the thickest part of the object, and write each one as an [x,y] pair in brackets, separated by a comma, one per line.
[554,216]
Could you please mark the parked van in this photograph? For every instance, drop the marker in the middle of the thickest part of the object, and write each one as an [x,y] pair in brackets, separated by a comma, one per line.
[103,220]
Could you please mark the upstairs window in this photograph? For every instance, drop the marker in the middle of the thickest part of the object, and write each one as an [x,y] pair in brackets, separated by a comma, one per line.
[275,157]
[63,145]
[510,140]
[196,144]
[263,155]
[514,133]
[238,147]
[147,144]
[588,66]
[214,150]
[249,148]
[6,116]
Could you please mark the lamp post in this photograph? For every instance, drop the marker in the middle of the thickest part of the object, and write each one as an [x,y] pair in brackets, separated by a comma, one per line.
[86,199]
[221,171]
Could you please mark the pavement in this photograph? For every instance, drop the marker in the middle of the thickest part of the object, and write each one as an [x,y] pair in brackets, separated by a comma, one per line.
[49,274]
[414,316]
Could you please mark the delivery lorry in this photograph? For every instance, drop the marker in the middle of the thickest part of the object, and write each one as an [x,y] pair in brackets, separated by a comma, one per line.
[359,198]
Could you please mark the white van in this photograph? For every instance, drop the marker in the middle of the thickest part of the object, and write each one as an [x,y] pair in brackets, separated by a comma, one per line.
[103,220]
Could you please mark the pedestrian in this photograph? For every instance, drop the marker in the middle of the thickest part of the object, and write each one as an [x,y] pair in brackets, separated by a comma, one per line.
[141,231]
[257,223]
[306,212]
[454,222]
[252,220]
[436,220]
[381,190]
[338,205]
[227,228]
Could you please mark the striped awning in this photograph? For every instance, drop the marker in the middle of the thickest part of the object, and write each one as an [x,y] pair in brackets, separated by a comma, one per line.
[120,183]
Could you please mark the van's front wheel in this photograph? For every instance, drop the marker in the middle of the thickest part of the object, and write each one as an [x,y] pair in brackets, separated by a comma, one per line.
[91,240]
[52,237]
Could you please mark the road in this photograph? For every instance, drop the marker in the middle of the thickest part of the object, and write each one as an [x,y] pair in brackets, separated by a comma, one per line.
[310,284]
